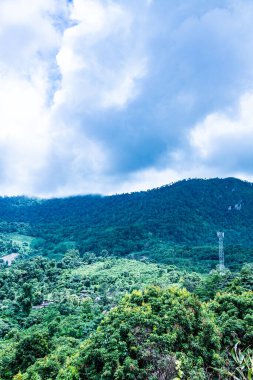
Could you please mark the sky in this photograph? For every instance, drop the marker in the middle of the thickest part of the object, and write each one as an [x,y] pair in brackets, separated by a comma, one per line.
[112,96]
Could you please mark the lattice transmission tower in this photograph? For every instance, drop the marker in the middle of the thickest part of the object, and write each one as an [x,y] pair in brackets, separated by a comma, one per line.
[220,236]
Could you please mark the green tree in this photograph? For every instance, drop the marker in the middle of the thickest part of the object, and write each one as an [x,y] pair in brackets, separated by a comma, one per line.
[147,332]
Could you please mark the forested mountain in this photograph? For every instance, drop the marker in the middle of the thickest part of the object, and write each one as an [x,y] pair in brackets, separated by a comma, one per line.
[127,286]
[175,224]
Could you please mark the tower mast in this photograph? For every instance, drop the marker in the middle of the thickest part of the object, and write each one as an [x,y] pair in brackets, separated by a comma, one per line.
[220,236]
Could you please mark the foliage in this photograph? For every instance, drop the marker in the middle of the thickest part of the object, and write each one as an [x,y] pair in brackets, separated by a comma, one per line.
[234,315]
[143,336]
[240,366]
[79,294]
[244,363]
[174,224]
[158,331]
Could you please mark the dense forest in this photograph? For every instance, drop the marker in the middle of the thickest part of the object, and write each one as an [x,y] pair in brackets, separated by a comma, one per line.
[174,224]
[115,318]
[128,286]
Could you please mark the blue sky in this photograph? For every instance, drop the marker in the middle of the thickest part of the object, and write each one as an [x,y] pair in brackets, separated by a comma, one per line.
[114,96]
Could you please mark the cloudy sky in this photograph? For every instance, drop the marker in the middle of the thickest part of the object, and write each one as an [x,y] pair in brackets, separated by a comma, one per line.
[109,96]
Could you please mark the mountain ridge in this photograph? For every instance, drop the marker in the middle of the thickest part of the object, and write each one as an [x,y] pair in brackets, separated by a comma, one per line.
[142,224]
[101,195]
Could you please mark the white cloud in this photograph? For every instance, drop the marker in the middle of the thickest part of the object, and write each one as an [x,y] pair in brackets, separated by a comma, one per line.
[40,153]
[28,34]
[24,134]
[226,139]
[96,63]
[124,88]
[100,60]
[29,40]
[99,96]
[220,145]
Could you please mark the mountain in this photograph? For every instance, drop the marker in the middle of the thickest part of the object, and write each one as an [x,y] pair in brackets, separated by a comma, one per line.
[94,314]
[165,224]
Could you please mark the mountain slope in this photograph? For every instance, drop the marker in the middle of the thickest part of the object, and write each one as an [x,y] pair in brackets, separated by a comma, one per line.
[185,213]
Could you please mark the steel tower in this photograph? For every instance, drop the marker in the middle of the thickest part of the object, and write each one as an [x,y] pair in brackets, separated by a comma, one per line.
[220,236]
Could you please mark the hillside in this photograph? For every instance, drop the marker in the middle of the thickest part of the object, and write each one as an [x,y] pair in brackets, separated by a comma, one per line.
[78,319]
[165,224]
[98,313]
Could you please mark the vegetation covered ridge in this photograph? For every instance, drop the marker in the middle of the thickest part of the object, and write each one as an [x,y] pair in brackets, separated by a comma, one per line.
[174,224]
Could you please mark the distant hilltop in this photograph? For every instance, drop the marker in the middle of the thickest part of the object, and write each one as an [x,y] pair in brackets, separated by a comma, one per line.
[188,211]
